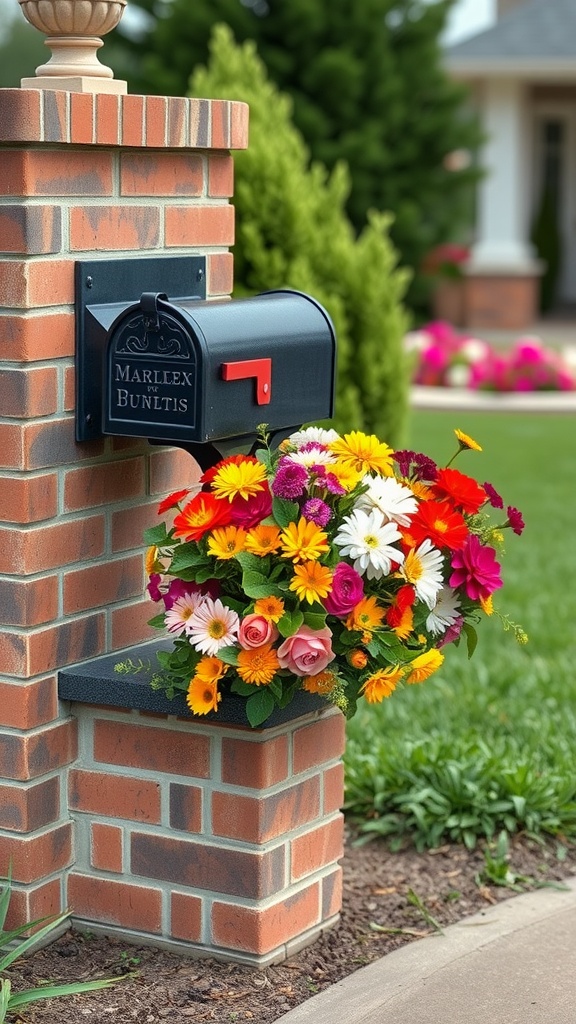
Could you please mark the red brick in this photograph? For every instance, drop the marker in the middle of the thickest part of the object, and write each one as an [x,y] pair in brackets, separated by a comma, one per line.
[26,809]
[11,446]
[56,105]
[33,858]
[111,902]
[33,172]
[320,742]
[51,442]
[199,123]
[103,484]
[106,847]
[199,225]
[256,765]
[150,173]
[237,872]
[259,819]
[30,904]
[26,338]
[20,115]
[220,175]
[263,930]
[332,894]
[28,757]
[132,121]
[156,120]
[81,121]
[185,807]
[220,273]
[161,750]
[316,849]
[128,525]
[28,499]
[220,110]
[28,705]
[102,584]
[32,653]
[69,389]
[172,469]
[30,229]
[46,547]
[115,796]
[177,121]
[185,917]
[130,624]
[239,120]
[107,119]
[333,789]
[114,228]
[25,602]
[27,284]
[28,393]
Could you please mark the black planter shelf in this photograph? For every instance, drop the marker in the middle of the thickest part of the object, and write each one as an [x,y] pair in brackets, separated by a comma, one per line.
[97,682]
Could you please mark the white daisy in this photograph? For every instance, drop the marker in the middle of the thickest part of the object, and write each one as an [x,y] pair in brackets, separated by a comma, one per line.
[445,612]
[423,569]
[213,626]
[177,618]
[368,539]
[396,502]
[314,457]
[319,434]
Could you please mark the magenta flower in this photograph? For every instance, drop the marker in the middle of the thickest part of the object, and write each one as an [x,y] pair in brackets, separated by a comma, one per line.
[153,587]
[317,511]
[332,484]
[347,591]
[181,588]
[290,480]
[452,633]
[248,512]
[493,497]
[474,567]
[515,519]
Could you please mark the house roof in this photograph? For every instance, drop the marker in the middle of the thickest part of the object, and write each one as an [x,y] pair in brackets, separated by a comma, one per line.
[537,40]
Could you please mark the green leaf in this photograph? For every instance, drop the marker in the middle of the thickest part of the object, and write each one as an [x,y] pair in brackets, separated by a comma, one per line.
[250,562]
[285,511]
[241,688]
[186,556]
[263,456]
[255,584]
[156,535]
[290,622]
[229,655]
[259,707]
[315,619]
[158,621]
[471,638]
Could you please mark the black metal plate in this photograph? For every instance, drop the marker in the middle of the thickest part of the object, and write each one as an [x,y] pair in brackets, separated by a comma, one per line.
[114,283]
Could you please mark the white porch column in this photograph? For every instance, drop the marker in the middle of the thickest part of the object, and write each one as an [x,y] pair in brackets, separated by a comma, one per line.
[502,224]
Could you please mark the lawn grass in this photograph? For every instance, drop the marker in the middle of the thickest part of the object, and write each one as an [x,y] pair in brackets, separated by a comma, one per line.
[488,744]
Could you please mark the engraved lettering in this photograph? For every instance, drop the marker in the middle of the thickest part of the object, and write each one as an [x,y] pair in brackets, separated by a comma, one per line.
[122,372]
[122,397]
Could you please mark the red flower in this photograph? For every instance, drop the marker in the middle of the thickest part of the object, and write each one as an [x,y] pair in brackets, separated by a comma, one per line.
[201,515]
[515,519]
[172,501]
[464,493]
[438,521]
[248,512]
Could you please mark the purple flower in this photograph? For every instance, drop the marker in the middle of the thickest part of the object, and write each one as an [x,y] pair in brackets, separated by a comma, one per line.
[404,458]
[493,496]
[333,485]
[317,511]
[425,468]
[452,633]
[515,519]
[347,591]
[474,567]
[312,446]
[181,588]
[290,481]
[153,587]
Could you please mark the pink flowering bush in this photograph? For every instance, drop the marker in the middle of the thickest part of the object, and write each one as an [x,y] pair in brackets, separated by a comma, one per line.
[445,357]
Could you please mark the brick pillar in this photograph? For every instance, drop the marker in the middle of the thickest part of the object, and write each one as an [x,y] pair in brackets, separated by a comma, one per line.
[82,176]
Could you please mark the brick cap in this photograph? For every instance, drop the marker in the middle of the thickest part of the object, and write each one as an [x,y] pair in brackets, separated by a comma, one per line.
[38,115]
[78,83]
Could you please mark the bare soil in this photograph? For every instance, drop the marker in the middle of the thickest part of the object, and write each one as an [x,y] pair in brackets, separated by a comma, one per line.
[381,890]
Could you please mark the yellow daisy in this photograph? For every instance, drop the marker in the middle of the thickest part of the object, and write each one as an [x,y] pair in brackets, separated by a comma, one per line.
[424,665]
[304,541]
[202,695]
[270,608]
[153,563]
[366,616]
[381,684]
[258,665]
[346,475]
[226,541]
[239,479]
[311,581]
[263,540]
[365,453]
[465,441]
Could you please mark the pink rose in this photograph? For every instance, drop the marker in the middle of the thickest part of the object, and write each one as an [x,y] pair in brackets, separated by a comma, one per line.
[307,652]
[347,591]
[255,631]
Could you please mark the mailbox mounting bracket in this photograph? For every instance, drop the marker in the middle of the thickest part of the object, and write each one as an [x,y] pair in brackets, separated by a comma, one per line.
[112,283]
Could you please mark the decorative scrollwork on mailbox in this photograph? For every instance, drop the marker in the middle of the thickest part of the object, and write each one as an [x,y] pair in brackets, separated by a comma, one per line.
[162,337]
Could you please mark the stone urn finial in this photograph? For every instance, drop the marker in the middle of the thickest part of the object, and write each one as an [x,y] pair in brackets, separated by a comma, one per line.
[73,29]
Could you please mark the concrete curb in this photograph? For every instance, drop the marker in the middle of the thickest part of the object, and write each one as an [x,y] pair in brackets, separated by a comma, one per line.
[482,401]
[391,990]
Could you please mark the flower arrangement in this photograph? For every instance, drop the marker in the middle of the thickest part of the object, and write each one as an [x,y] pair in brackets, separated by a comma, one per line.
[448,358]
[332,565]
[447,260]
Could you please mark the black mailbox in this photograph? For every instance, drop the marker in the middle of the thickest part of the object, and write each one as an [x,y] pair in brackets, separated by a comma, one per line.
[192,372]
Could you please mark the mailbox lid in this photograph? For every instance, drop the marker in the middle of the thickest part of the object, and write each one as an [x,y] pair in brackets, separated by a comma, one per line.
[288,328]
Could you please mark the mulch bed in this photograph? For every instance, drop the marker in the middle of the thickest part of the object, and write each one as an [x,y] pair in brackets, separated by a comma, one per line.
[380,914]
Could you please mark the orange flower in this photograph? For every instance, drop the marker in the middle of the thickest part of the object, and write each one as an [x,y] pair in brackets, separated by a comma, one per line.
[153,564]
[323,683]
[270,608]
[209,669]
[424,665]
[263,540]
[311,581]
[382,684]
[304,541]
[172,500]
[202,695]
[357,658]
[226,541]
[258,665]
[366,616]
[201,515]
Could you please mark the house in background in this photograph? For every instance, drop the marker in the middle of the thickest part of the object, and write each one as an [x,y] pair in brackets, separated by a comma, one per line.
[522,74]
